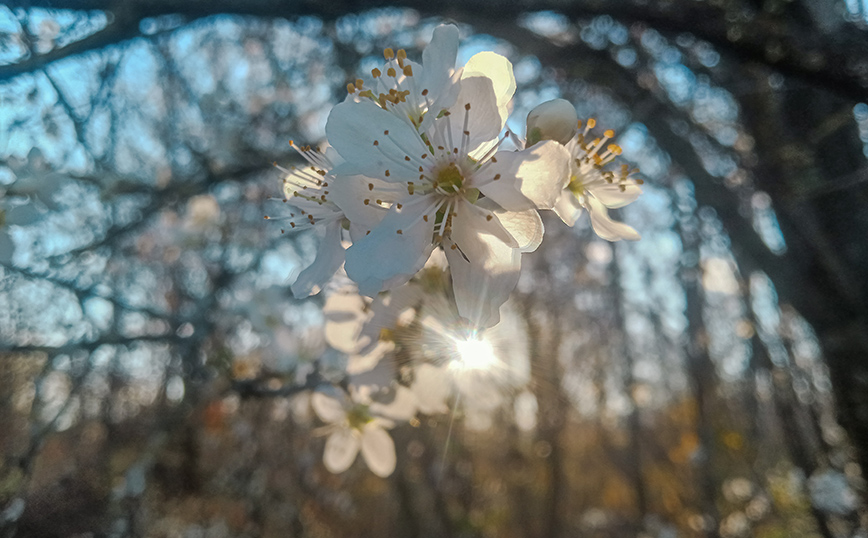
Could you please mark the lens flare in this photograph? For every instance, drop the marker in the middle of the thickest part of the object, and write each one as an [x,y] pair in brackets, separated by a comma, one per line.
[474,354]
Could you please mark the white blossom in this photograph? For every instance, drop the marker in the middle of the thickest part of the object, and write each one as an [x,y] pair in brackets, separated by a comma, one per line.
[309,191]
[353,428]
[458,191]
[596,188]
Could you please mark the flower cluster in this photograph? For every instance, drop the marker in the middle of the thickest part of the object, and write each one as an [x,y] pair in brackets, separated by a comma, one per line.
[417,170]
[409,354]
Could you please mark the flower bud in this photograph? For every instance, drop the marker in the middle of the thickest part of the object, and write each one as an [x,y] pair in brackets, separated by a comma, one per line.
[552,120]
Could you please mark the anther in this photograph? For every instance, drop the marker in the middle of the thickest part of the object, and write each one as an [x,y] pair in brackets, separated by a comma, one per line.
[386,132]
[609,133]
[359,83]
[387,173]
[391,72]
[408,70]
[370,186]
[400,232]
[467,106]
[424,92]
[376,142]
[376,72]
[388,54]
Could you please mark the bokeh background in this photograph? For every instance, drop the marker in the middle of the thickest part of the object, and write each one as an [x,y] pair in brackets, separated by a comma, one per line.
[710,380]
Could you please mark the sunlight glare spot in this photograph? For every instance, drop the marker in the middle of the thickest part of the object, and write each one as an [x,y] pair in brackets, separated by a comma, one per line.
[474,354]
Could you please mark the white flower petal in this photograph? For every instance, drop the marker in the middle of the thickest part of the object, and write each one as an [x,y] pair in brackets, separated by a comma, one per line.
[552,120]
[497,68]
[402,407]
[329,404]
[378,449]
[388,309]
[479,213]
[432,388]
[444,101]
[350,192]
[615,195]
[353,128]
[438,61]
[345,314]
[484,120]
[341,449]
[531,178]
[568,208]
[526,227]
[328,259]
[396,249]
[484,269]
[605,227]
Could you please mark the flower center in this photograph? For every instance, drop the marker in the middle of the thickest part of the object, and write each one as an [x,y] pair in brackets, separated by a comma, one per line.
[450,179]
[358,416]
[576,186]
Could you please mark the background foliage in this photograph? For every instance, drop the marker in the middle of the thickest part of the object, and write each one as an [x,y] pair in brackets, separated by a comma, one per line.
[709,380]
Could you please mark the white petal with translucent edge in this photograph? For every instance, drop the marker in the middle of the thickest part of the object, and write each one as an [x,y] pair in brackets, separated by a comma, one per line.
[438,60]
[387,309]
[605,227]
[531,178]
[568,208]
[526,227]
[341,449]
[402,407]
[432,388]
[484,269]
[480,213]
[345,315]
[484,121]
[397,247]
[499,70]
[353,128]
[615,195]
[350,192]
[329,404]
[378,449]
[444,101]
[552,120]
[328,259]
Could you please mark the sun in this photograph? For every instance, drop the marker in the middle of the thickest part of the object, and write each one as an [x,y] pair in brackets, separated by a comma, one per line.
[474,354]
